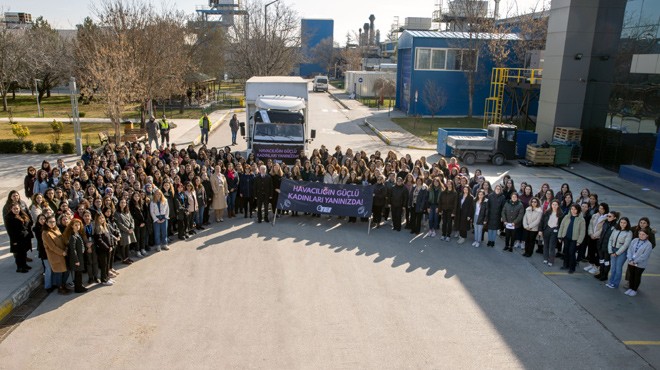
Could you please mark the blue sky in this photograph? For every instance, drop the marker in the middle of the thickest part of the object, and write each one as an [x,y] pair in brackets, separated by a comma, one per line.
[347,14]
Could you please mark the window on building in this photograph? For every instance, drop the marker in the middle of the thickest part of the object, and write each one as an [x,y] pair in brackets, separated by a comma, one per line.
[423,59]
[446,59]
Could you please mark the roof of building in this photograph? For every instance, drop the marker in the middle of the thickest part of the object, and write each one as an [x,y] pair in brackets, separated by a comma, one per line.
[462,35]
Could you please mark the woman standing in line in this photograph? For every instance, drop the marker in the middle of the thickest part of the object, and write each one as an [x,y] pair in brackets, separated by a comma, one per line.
[531,222]
[418,204]
[200,194]
[160,214]
[572,232]
[448,203]
[276,175]
[245,184]
[603,243]
[549,230]
[638,256]
[56,251]
[168,194]
[126,225]
[38,235]
[464,213]
[409,184]
[496,202]
[525,197]
[481,210]
[76,253]
[115,237]
[512,216]
[220,192]
[594,231]
[19,229]
[617,248]
[233,182]
[435,192]
[139,215]
[103,244]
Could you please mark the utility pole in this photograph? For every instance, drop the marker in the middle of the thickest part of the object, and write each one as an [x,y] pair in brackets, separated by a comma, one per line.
[266,18]
[36,89]
[77,133]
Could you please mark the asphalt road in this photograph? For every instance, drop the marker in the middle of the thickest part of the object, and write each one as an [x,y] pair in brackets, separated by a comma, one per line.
[320,294]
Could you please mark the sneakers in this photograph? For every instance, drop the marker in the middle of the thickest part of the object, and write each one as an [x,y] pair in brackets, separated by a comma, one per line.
[545,262]
[632,293]
[138,254]
[476,244]
[516,245]
[627,291]
[610,286]
[461,240]
[158,248]
[549,264]
[589,267]
[593,270]
[108,283]
[165,247]
[144,252]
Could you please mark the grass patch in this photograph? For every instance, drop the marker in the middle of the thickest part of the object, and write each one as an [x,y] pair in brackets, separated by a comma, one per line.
[427,128]
[373,103]
[59,106]
[41,132]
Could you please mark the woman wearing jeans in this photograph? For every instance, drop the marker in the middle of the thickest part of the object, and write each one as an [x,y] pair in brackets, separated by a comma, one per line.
[434,210]
[572,231]
[638,256]
[160,212]
[617,248]
[56,251]
[549,229]
[480,217]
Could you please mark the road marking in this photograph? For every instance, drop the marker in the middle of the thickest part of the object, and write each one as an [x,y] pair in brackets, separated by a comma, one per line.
[6,309]
[642,342]
[324,110]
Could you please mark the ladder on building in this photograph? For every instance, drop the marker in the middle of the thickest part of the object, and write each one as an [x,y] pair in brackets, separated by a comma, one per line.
[499,79]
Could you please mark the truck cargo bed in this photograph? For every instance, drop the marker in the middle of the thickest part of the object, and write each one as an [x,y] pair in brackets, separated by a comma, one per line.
[471,142]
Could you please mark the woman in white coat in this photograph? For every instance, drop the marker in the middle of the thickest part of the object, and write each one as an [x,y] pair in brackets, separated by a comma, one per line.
[220,192]
[531,222]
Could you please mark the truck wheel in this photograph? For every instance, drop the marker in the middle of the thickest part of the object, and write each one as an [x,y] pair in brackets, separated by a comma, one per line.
[498,159]
[469,158]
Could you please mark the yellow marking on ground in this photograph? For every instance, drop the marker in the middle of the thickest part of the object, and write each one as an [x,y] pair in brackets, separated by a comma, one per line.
[642,342]
[5,309]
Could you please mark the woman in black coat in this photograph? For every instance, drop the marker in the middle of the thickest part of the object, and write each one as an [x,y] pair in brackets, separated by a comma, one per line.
[19,229]
[464,213]
[495,204]
[380,199]
[419,203]
[448,201]
[75,253]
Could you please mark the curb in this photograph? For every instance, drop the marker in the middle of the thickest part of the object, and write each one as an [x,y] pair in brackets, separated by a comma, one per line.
[338,100]
[19,296]
[387,140]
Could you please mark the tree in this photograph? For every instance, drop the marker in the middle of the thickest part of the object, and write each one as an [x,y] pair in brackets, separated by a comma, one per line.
[131,54]
[12,62]
[208,48]
[324,54]
[48,56]
[351,58]
[434,97]
[384,87]
[255,53]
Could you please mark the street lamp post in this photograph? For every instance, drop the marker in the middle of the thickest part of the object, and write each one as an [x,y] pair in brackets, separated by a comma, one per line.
[266,17]
[36,89]
[77,133]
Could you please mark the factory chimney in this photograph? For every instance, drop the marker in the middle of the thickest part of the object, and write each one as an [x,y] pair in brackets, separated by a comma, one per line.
[372,29]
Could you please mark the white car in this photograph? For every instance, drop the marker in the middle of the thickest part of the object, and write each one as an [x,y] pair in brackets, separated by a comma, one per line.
[320,83]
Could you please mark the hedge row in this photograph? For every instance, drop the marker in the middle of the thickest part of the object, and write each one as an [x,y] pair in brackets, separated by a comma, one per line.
[18,146]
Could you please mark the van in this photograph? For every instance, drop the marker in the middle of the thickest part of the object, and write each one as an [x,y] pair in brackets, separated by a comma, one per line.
[320,83]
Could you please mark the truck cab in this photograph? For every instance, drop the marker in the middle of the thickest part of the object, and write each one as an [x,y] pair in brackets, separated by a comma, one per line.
[320,83]
[498,146]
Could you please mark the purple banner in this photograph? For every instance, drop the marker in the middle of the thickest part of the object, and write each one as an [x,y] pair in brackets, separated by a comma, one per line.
[279,153]
[326,199]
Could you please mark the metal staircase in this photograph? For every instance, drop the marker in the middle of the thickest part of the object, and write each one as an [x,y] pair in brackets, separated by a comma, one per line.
[499,80]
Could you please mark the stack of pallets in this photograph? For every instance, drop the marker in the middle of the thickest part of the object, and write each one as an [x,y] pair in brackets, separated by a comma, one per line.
[539,156]
[572,137]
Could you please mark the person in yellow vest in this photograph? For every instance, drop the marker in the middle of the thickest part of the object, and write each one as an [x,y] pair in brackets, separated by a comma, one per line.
[164,131]
[205,127]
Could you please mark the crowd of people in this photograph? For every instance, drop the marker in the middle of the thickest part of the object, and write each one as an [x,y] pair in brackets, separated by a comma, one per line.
[125,202]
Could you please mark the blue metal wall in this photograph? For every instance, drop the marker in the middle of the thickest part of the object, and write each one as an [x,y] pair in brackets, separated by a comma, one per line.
[313,31]
[454,83]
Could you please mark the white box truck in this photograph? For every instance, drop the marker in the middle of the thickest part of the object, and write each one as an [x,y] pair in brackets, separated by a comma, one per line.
[276,112]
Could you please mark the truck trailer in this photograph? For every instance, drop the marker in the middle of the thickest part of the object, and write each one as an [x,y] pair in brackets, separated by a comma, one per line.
[276,116]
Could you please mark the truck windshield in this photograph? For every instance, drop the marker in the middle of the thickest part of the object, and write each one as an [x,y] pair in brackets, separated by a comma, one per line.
[278,132]
[279,116]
